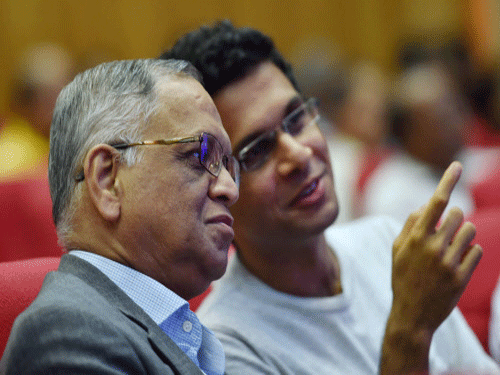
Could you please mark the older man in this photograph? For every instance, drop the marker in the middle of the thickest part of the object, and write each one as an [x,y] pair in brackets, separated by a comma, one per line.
[141,179]
[300,299]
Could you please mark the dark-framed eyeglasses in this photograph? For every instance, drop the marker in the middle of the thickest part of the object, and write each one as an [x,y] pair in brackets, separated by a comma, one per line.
[256,153]
[210,155]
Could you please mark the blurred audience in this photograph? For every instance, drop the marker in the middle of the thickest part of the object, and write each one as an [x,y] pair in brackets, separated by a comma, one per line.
[483,89]
[429,119]
[27,229]
[363,113]
[41,73]
[353,100]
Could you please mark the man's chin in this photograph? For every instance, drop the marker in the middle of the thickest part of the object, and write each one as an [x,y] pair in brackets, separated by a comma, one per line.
[216,271]
[218,264]
[324,219]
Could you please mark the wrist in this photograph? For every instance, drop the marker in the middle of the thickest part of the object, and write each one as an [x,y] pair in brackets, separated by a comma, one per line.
[412,339]
[405,348]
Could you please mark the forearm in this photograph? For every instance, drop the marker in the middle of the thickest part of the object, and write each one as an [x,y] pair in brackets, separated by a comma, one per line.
[405,350]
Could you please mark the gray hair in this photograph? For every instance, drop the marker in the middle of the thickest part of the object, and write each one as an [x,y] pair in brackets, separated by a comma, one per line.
[110,103]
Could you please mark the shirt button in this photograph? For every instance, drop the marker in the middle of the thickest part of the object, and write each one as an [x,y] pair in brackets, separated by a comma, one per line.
[187,326]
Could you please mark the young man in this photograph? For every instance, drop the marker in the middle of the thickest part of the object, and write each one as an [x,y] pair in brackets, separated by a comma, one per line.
[141,180]
[299,298]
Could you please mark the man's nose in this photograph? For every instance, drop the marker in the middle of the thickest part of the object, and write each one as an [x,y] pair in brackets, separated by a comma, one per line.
[293,155]
[224,188]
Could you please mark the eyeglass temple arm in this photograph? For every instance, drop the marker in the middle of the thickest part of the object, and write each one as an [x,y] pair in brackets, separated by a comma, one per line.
[157,142]
[122,146]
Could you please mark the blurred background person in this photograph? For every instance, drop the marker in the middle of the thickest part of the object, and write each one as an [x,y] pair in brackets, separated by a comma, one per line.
[26,226]
[42,72]
[429,119]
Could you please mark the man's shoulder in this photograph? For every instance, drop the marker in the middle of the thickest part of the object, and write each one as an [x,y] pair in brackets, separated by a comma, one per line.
[65,301]
[63,290]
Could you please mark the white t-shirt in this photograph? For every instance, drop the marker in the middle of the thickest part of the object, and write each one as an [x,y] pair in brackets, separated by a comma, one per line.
[264,331]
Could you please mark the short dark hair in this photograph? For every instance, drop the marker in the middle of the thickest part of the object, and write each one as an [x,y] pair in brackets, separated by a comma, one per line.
[224,53]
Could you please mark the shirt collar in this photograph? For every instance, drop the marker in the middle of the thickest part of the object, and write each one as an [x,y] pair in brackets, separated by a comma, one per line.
[155,299]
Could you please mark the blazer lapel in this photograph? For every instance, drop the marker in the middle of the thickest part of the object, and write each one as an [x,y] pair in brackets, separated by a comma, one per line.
[162,344]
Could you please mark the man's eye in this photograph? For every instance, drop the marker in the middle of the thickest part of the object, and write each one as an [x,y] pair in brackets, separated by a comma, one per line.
[192,154]
[258,152]
[296,123]
[191,158]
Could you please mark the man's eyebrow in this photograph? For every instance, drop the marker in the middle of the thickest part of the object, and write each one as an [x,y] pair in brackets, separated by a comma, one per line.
[295,102]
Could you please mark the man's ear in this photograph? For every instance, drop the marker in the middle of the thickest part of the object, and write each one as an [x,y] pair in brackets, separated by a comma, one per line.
[101,168]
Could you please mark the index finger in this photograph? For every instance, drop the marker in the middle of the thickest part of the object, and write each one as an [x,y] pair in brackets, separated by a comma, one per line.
[441,196]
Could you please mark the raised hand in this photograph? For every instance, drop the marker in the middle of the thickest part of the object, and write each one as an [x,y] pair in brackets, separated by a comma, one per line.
[431,268]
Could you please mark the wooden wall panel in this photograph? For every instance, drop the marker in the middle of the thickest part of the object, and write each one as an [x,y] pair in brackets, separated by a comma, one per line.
[136,29]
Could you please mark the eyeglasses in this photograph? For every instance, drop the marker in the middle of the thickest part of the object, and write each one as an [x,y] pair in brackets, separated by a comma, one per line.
[210,155]
[256,153]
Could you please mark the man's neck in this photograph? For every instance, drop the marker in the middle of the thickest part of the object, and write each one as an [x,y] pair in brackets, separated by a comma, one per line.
[308,270]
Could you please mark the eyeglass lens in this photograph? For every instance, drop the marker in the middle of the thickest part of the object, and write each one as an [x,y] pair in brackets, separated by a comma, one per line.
[257,152]
[212,157]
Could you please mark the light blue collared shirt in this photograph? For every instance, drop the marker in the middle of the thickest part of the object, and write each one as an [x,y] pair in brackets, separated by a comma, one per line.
[167,309]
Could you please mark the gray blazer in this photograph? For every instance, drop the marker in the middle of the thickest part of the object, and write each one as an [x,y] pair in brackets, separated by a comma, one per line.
[82,323]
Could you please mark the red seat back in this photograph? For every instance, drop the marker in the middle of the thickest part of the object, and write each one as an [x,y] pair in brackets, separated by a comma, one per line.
[20,282]
[26,226]
[476,299]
